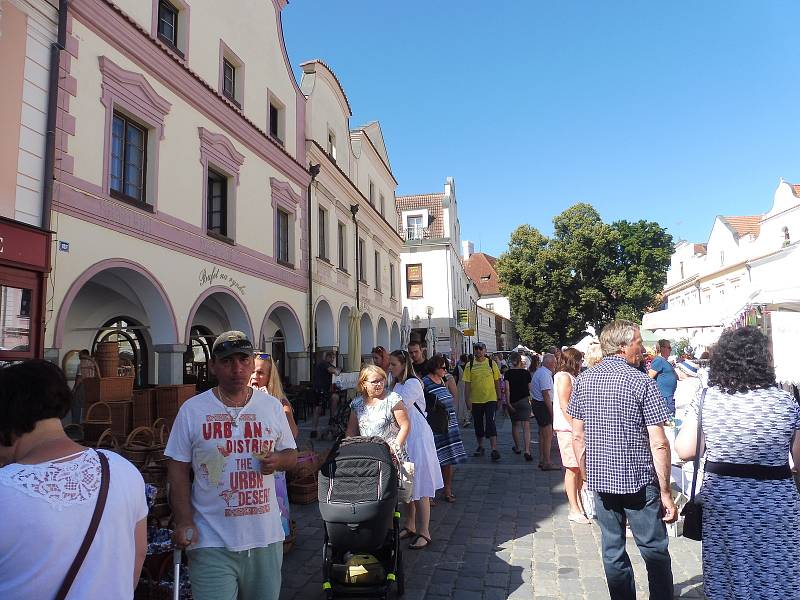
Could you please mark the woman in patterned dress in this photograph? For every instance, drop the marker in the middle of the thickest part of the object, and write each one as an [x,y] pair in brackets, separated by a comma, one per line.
[449,448]
[751,507]
[378,412]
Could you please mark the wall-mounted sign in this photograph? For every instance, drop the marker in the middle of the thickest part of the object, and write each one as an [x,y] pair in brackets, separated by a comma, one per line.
[26,246]
[469,332]
[463,316]
[215,276]
[63,246]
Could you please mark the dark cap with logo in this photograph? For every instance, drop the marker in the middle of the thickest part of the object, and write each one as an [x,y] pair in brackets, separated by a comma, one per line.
[480,345]
[230,343]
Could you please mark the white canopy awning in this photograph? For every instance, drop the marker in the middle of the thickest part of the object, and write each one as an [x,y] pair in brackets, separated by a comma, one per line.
[684,317]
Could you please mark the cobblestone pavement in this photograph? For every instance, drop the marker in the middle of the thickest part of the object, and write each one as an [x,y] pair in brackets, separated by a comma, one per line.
[506,536]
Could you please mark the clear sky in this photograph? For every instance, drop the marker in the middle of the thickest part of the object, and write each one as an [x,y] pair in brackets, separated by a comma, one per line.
[668,111]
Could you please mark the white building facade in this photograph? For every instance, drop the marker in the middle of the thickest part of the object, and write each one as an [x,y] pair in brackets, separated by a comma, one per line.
[355,246]
[432,277]
[181,179]
[745,257]
[29,59]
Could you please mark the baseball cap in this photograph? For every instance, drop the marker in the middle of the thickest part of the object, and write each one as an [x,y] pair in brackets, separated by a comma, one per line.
[480,345]
[231,342]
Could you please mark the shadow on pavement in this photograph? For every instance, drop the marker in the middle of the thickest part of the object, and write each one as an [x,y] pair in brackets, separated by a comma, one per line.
[506,536]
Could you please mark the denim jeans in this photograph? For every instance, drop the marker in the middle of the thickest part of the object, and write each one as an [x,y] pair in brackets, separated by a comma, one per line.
[642,511]
[483,415]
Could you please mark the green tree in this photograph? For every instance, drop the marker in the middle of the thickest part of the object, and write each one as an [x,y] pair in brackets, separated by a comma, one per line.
[588,273]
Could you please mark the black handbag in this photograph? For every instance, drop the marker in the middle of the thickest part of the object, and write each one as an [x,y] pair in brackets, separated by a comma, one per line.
[438,416]
[692,513]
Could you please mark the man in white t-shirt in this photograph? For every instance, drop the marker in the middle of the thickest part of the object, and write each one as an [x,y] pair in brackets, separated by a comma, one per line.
[542,405]
[234,438]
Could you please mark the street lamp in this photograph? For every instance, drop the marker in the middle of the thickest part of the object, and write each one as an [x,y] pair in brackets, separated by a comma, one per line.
[429,312]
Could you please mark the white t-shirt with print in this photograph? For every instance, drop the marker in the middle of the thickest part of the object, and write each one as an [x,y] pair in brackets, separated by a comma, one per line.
[47,508]
[234,504]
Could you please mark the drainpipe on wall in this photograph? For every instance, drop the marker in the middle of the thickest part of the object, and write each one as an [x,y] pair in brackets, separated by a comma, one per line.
[52,112]
[313,171]
[353,211]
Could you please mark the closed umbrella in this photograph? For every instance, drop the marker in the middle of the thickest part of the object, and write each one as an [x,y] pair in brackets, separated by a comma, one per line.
[354,342]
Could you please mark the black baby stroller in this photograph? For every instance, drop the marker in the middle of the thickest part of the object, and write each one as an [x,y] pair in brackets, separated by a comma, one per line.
[358,502]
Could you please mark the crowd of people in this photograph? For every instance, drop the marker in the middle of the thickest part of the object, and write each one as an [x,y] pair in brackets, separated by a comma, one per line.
[231,445]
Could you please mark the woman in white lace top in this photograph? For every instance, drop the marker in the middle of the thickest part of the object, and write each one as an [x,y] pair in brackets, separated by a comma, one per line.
[49,487]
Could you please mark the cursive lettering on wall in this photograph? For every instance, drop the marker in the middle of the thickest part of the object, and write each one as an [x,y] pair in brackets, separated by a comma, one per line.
[214,276]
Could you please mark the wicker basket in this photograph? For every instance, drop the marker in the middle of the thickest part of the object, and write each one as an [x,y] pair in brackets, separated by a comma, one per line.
[107,358]
[138,445]
[169,399]
[96,421]
[121,417]
[144,407]
[107,441]
[107,389]
[161,429]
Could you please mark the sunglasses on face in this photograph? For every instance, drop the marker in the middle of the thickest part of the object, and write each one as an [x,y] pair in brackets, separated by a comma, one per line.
[262,355]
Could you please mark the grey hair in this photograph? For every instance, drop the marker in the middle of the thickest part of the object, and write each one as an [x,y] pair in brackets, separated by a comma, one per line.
[549,358]
[617,334]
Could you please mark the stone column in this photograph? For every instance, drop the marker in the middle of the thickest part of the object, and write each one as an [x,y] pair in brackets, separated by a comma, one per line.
[298,367]
[170,363]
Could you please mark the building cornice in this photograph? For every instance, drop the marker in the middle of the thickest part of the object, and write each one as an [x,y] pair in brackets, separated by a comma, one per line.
[347,182]
[377,154]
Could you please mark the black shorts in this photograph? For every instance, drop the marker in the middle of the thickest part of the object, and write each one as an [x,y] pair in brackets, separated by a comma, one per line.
[320,398]
[543,416]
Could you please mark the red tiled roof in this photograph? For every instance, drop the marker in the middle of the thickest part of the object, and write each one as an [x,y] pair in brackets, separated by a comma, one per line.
[480,269]
[431,202]
[795,189]
[750,225]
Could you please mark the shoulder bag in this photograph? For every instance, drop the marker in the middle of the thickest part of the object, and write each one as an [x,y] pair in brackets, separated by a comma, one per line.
[438,416]
[99,507]
[692,513]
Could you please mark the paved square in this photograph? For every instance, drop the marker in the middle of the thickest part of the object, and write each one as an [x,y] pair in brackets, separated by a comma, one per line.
[506,536]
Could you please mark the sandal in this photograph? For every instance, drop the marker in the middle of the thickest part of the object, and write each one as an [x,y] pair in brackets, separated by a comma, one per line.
[405,532]
[450,498]
[515,450]
[413,545]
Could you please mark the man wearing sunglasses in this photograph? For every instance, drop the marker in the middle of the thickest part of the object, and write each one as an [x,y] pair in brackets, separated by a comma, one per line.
[234,439]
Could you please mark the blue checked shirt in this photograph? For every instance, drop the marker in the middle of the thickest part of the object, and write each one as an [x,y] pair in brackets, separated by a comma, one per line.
[617,403]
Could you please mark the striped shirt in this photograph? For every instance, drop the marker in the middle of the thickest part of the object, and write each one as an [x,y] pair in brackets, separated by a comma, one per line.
[617,403]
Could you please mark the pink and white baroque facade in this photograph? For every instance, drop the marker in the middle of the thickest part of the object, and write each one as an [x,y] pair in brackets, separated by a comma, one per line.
[180,196]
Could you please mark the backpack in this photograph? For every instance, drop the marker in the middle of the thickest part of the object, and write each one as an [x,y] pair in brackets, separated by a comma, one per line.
[438,416]
[489,358]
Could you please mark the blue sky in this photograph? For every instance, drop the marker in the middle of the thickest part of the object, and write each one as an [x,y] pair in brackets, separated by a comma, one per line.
[667,111]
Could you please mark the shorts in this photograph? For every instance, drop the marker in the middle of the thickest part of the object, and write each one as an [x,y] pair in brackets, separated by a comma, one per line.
[320,398]
[248,575]
[542,414]
[522,410]
[568,458]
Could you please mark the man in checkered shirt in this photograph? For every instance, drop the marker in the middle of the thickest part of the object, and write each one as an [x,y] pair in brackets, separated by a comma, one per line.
[618,435]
